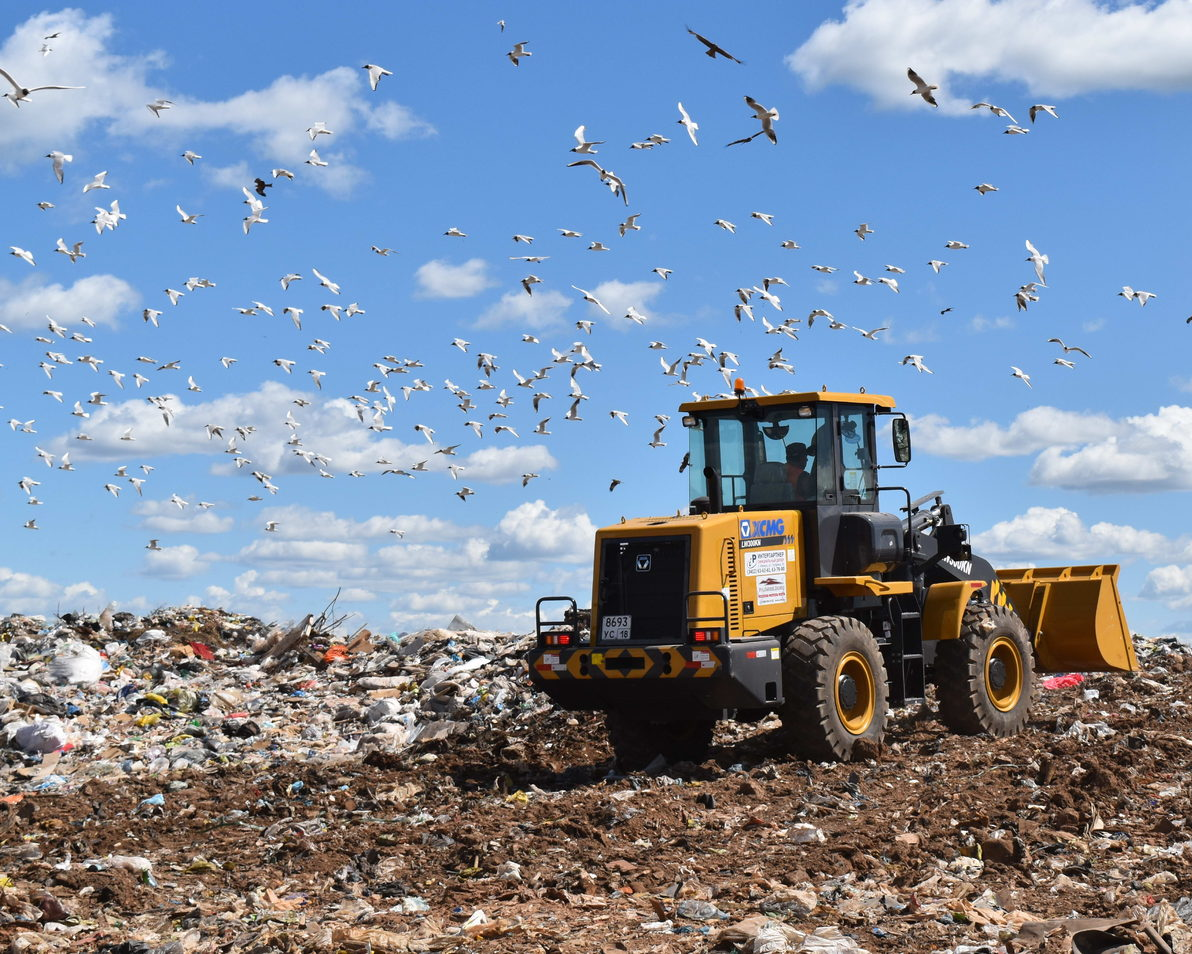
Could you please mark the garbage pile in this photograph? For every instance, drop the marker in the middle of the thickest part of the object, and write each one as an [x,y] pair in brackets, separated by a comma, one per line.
[197,782]
[109,698]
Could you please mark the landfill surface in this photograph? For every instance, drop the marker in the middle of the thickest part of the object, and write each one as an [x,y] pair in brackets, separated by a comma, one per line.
[197,781]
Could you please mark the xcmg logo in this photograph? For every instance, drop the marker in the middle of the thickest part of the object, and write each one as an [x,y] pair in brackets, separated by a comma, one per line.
[762,528]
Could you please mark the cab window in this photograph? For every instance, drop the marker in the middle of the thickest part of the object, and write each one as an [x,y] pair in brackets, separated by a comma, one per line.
[856,456]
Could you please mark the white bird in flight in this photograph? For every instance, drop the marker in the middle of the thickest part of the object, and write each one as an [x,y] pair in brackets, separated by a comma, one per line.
[996,110]
[57,159]
[1068,348]
[97,182]
[592,299]
[689,124]
[375,73]
[1039,260]
[584,145]
[20,93]
[916,362]
[922,88]
[326,282]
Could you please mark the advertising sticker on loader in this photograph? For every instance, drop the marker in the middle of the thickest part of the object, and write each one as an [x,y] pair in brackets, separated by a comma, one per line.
[765,562]
[771,589]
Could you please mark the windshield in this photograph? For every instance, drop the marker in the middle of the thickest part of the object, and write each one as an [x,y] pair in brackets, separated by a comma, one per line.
[768,457]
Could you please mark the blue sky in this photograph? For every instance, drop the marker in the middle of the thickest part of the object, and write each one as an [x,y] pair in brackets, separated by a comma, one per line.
[1089,464]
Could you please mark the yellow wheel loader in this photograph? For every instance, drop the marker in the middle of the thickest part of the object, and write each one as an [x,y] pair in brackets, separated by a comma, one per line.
[786,588]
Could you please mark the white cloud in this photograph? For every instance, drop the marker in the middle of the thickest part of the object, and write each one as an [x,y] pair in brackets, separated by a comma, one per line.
[535,531]
[503,465]
[26,593]
[166,517]
[1144,454]
[1056,534]
[540,310]
[25,304]
[176,563]
[273,120]
[1029,432]
[1170,584]
[1054,47]
[246,596]
[981,323]
[327,427]
[618,296]
[232,177]
[440,279]
[298,522]
[311,552]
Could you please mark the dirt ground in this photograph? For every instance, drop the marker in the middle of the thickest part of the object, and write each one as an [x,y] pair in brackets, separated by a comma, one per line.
[940,843]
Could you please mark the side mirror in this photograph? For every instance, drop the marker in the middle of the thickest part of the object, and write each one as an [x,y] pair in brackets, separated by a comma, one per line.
[900,430]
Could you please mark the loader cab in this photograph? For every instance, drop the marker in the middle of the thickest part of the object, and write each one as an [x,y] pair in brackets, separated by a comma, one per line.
[739,453]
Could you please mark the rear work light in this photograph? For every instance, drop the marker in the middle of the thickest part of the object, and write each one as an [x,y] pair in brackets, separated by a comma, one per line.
[558,639]
[705,635]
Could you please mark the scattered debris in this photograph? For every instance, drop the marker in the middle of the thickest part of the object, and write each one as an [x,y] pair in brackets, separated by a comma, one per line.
[194,782]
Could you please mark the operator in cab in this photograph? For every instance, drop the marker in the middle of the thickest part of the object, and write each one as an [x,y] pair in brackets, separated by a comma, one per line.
[796,472]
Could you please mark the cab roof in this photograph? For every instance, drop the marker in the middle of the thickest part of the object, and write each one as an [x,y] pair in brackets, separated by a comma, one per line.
[792,398]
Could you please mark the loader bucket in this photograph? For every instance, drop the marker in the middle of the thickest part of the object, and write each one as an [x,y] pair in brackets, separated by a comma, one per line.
[1075,615]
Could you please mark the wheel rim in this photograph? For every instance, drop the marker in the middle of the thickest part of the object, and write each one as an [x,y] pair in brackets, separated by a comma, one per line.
[1003,674]
[855,692]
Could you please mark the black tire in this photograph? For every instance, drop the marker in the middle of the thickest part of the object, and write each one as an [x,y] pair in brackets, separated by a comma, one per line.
[984,679]
[834,689]
[637,742]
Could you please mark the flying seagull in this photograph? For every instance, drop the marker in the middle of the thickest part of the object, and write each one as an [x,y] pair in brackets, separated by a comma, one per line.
[375,73]
[1068,348]
[767,117]
[1039,260]
[921,87]
[592,299]
[916,361]
[584,145]
[713,50]
[20,92]
[996,110]
[58,159]
[688,123]
[519,50]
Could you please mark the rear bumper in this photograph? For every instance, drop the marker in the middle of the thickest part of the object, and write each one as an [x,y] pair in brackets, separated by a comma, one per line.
[676,681]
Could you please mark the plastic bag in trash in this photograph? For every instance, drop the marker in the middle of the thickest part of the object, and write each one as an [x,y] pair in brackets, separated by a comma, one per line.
[76,664]
[697,910]
[45,735]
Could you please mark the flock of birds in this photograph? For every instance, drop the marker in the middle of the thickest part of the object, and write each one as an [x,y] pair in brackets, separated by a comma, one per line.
[379,397]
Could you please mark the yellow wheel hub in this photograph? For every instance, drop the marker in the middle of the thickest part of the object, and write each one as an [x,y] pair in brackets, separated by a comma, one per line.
[1003,673]
[855,692]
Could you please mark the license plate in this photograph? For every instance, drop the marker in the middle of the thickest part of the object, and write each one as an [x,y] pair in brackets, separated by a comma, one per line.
[615,627]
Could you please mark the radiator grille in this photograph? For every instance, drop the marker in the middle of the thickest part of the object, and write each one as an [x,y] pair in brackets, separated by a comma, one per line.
[646,579]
